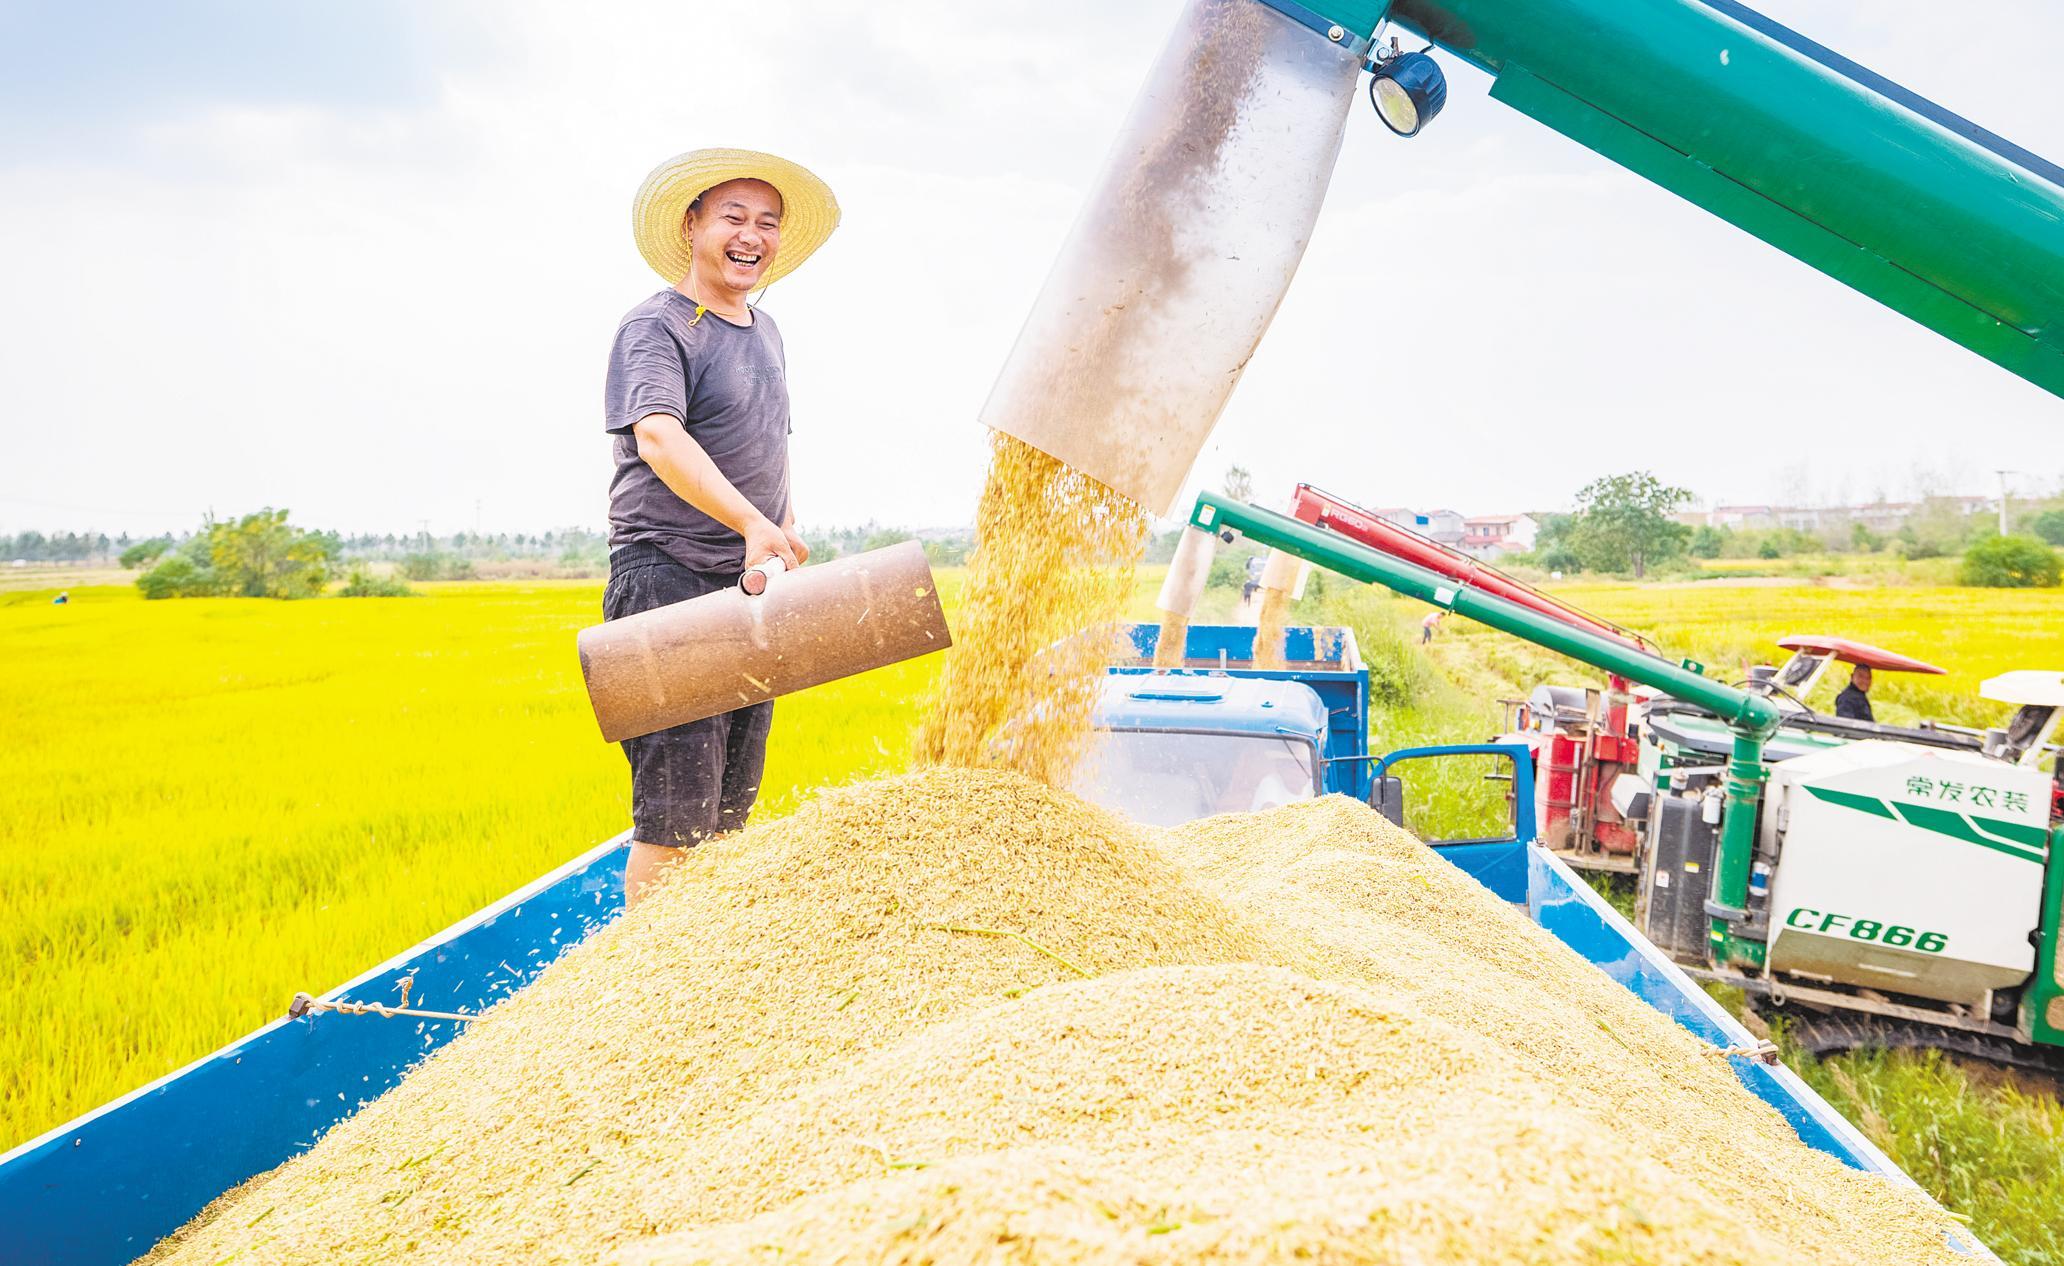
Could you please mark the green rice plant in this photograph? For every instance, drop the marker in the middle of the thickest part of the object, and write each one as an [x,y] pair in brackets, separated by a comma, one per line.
[1984,1145]
[1972,633]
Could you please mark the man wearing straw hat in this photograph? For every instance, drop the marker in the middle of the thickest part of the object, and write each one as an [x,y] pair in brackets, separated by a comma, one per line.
[697,408]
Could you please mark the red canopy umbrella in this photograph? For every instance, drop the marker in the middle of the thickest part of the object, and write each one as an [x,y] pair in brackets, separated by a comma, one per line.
[1861,653]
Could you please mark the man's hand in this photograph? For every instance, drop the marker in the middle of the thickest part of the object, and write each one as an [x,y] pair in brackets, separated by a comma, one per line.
[796,543]
[763,540]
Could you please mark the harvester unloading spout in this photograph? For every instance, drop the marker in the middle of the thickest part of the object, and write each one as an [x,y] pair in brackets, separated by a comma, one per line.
[1183,250]
[1187,243]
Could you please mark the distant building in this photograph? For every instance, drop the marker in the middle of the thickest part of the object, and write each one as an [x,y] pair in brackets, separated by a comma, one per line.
[1883,516]
[1878,516]
[1743,518]
[1444,526]
[1493,536]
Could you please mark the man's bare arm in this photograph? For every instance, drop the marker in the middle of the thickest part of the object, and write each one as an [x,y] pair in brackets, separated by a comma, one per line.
[682,465]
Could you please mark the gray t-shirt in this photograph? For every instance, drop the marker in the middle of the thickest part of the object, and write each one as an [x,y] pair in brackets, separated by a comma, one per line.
[728,385]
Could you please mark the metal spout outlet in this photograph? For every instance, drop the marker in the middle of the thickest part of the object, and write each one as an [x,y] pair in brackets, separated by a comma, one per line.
[1183,250]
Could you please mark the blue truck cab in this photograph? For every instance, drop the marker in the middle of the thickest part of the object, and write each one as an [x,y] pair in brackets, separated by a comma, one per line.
[1219,735]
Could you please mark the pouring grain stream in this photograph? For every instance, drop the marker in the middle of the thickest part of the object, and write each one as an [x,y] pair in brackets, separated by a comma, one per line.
[1155,302]
[1269,628]
[1051,571]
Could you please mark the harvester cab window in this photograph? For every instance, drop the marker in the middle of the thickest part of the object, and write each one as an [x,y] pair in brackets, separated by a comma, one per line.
[1800,672]
[2038,699]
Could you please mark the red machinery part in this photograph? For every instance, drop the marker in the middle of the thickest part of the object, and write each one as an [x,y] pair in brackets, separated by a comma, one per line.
[1574,769]
[1860,653]
[1323,509]
[1556,766]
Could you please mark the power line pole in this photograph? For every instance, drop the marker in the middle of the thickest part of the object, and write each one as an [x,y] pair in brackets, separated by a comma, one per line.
[2003,499]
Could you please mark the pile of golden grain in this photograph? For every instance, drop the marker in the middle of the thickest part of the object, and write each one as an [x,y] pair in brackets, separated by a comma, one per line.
[960,1016]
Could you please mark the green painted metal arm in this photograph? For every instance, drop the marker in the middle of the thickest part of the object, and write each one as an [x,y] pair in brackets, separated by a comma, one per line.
[1879,188]
[2042,1006]
[1353,559]
[1752,718]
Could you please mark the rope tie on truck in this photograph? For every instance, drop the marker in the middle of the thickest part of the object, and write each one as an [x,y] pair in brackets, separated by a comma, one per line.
[307,1004]
[1763,1052]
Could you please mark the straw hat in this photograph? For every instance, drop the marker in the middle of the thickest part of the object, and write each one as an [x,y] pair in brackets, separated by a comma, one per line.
[659,214]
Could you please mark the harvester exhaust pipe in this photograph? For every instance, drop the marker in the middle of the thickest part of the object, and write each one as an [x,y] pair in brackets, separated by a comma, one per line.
[1184,248]
[726,650]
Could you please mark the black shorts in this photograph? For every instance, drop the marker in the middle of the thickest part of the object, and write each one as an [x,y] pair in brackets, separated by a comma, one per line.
[695,780]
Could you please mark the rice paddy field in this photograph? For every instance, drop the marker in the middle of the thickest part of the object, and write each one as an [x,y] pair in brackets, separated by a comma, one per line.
[1729,625]
[213,803]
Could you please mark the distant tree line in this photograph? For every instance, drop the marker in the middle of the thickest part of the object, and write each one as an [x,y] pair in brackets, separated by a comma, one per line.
[1623,525]
[460,555]
[61,547]
[1937,531]
[943,547]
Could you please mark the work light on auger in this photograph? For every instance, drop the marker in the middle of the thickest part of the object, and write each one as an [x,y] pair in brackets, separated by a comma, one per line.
[1407,89]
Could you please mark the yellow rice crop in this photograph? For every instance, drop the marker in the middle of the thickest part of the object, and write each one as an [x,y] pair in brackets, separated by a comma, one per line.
[214,802]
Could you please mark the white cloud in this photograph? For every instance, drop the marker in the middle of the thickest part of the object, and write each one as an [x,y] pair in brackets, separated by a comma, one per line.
[378,316]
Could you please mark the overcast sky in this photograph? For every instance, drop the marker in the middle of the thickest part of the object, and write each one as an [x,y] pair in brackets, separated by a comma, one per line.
[365,260]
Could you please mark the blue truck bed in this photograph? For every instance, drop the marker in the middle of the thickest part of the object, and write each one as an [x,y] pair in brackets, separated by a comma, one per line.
[106,1187]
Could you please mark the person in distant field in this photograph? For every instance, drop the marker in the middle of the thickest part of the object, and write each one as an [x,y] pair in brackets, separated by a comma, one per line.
[64,596]
[1854,701]
[696,406]
[1257,566]
[1429,624]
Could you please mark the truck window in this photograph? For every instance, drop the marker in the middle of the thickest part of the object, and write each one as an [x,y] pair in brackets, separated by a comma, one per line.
[1457,797]
[1162,778]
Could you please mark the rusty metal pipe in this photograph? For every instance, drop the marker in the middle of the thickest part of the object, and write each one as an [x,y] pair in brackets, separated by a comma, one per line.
[726,650]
